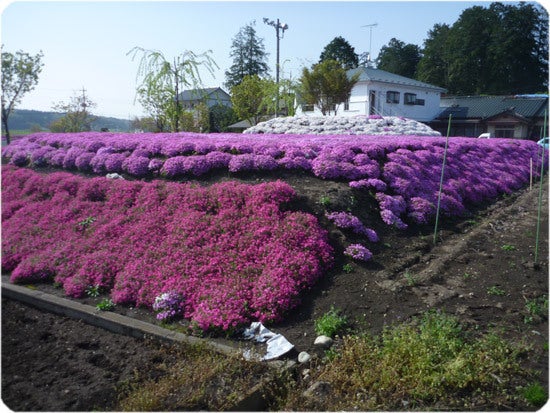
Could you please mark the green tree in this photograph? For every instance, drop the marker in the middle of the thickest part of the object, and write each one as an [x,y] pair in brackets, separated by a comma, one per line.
[77,118]
[249,56]
[220,117]
[340,50]
[250,98]
[433,66]
[399,58]
[160,81]
[20,73]
[326,85]
[500,49]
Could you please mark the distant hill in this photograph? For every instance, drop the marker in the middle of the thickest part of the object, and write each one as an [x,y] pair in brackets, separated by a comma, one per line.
[23,119]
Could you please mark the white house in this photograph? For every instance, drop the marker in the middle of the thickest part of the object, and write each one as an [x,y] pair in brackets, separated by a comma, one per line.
[378,92]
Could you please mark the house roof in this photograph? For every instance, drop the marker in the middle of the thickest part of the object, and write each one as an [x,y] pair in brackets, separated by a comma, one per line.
[483,107]
[378,75]
[198,94]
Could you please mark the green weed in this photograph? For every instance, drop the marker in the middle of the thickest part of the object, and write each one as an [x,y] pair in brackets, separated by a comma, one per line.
[536,307]
[331,323]
[105,305]
[430,360]
[495,290]
[535,394]
[508,247]
[347,268]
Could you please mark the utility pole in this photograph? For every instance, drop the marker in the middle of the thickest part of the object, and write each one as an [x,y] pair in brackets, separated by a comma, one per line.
[278,26]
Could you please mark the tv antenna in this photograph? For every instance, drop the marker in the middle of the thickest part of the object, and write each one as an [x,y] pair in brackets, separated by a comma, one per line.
[370,26]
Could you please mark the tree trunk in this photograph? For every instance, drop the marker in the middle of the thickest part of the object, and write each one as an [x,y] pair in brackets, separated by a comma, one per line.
[5,124]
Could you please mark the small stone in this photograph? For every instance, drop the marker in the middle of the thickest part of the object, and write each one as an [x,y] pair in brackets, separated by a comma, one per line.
[319,390]
[323,341]
[304,357]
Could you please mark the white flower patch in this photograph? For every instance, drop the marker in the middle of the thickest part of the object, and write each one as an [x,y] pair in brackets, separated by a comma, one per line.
[343,125]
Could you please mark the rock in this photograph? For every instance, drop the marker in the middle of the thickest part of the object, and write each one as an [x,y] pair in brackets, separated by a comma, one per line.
[323,341]
[318,390]
[303,357]
[114,176]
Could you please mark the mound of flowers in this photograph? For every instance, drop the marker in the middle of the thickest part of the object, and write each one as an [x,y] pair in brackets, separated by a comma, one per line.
[402,172]
[220,256]
[344,125]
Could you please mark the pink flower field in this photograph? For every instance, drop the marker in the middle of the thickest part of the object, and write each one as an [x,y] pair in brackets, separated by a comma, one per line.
[229,249]
[231,252]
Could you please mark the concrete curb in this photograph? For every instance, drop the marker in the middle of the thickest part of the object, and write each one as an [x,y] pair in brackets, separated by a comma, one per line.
[116,323]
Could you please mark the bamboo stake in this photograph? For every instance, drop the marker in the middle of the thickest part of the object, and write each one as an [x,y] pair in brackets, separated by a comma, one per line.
[441,180]
[540,191]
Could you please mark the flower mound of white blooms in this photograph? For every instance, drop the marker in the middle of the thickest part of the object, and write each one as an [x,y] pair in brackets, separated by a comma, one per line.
[343,125]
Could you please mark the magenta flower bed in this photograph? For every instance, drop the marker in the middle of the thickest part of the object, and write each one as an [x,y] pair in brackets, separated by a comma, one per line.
[228,249]
[402,172]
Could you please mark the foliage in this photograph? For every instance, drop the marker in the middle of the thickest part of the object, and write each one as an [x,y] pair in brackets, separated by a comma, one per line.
[77,115]
[160,82]
[20,73]
[535,394]
[228,248]
[499,49]
[340,50]
[193,377]
[105,305]
[399,58]
[326,85]
[249,57]
[430,360]
[331,323]
[250,97]
[220,117]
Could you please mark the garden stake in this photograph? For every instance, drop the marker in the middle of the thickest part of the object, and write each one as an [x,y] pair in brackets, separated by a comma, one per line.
[540,192]
[441,180]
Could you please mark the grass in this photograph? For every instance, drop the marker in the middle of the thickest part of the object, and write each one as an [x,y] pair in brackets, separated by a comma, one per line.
[191,377]
[331,323]
[495,290]
[430,363]
[535,394]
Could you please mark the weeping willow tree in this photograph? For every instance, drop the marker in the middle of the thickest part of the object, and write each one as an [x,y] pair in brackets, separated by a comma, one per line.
[161,80]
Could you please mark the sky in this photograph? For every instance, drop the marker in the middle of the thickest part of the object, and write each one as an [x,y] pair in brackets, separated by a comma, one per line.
[86,44]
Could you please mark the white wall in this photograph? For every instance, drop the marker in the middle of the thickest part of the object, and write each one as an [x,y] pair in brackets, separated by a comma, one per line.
[359,102]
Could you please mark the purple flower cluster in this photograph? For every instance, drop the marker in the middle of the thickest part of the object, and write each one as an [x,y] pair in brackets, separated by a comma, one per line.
[169,306]
[228,251]
[349,221]
[403,172]
[358,252]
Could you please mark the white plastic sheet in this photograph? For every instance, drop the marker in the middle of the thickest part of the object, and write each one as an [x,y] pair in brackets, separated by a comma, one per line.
[277,344]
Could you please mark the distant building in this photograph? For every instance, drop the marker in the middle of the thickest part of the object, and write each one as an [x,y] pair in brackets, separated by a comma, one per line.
[519,116]
[378,92]
[209,96]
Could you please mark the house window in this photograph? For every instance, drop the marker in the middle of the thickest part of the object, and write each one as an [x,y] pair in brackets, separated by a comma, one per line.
[410,98]
[346,104]
[392,97]
[419,102]
[504,131]
[307,108]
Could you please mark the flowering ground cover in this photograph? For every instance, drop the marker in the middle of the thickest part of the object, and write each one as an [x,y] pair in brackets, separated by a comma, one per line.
[402,172]
[228,250]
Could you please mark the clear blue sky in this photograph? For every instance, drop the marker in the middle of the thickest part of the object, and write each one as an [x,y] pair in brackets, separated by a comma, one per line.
[85,44]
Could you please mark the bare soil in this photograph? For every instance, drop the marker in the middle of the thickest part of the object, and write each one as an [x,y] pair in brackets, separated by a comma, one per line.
[481,269]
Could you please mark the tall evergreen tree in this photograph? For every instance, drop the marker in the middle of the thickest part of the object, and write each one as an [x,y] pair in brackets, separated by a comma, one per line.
[433,66]
[340,50]
[399,58]
[249,56]
[500,49]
